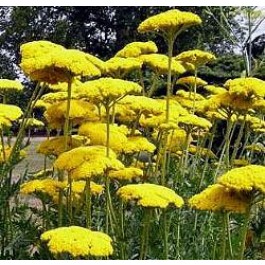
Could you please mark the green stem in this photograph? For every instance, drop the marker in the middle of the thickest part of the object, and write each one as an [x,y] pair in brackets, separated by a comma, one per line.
[238,140]
[223,237]
[145,233]
[225,147]
[227,222]
[165,235]
[194,91]
[170,55]
[88,202]
[244,235]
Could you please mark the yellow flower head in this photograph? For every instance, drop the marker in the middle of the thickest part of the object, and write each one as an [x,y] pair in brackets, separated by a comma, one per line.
[55,97]
[63,86]
[7,85]
[10,112]
[47,186]
[203,152]
[195,57]
[195,121]
[33,123]
[119,67]
[87,162]
[137,144]
[246,178]
[159,64]
[52,63]
[219,198]
[141,104]
[189,95]
[127,173]
[246,87]
[79,111]
[41,104]
[135,49]
[189,81]
[56,146]
[171,21]
[150,195]
[97,133]
[78,242]
[108,89]
[215,90]
[155,121]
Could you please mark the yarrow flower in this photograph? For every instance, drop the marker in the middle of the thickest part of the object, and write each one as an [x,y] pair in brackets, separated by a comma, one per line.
[97,133]
[78,242]
[56,146]
[159,64]
[135,49]
[7,85]
[171,21]
[195,57]
[150,195]
[45,61]
[80,111]
[137,144]
[190,81]
[87,162]
[246,87]
[107,89]
[246,178]
[127,173]
[119,67]
[219,198]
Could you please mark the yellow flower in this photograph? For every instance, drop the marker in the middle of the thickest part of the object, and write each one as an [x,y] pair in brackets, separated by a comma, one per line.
[10,112]
[87,162]
[171,21]
[195,121]
[107,89]
[195,57]
[75,157]
[80,111]
[119,67]
[56,97]
[154,121]
[135,49]
[63,86]
[137,144]
[215,90]
[141,104]
[159,64]
[190,81]
[78,241]
[33,123]
[52,63]
[127,173]
[78,187]
[150,195]
[97,133]
[246,87]
[47,186]
[203,152]
[7,85]
[246,178]
[219,198]
[41,104]
[189,95]
[56,146]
